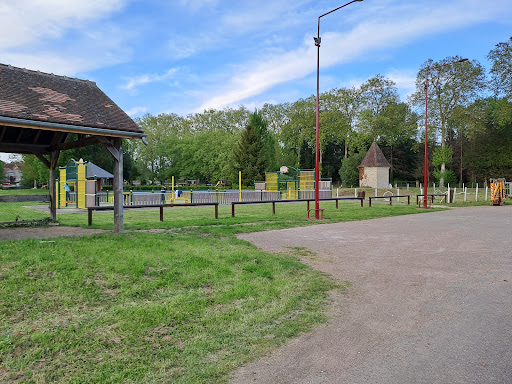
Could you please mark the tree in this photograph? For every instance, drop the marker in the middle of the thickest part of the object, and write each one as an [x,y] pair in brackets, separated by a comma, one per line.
[349,172]
[449,87]
[2,171]
[378,93]
[33,170]
[501,70]
[249,156]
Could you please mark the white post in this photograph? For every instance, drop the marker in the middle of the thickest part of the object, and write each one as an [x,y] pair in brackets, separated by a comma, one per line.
[486,187]
[398,193]
[407,186]
[375,192]
[465,193]
[355,192]
[448,194]
[454,193]
[476,193]
[434,187]
[338,192]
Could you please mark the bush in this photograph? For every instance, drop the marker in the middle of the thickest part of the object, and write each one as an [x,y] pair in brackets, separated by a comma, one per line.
[349,172]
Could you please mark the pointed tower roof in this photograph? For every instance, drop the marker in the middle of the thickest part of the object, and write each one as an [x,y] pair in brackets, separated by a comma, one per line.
[374,158]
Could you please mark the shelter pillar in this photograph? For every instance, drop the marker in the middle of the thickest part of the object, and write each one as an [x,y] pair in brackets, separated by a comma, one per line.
[118,186]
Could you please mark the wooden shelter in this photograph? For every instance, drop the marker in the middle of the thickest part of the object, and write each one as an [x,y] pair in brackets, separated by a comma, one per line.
[44,114]
[374,169]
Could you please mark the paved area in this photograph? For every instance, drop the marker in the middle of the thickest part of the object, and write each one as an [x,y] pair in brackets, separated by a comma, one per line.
[431,301]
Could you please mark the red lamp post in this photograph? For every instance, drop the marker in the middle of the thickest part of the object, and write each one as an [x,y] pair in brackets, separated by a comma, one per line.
[317,150]
[425,176]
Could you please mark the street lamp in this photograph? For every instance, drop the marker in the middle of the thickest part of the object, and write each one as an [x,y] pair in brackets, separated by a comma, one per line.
[318,40]
[425,176]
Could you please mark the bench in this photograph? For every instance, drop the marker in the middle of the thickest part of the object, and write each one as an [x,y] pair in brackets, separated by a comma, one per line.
[388,197]
[292,201]
[91,209]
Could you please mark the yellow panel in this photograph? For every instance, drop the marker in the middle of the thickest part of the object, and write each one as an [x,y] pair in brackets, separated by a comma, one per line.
[80,185]
[62,192]
[272,181]
[291,191]
[307,180]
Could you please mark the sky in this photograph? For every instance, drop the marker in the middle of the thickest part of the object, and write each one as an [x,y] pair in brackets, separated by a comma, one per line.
[185,56]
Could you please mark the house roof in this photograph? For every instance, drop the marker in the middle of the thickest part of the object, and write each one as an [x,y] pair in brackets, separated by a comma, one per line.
[374,158]
[94,171]
[39,111]
[38,96]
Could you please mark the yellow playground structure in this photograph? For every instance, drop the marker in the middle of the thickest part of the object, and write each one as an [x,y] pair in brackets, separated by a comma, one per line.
[498,191]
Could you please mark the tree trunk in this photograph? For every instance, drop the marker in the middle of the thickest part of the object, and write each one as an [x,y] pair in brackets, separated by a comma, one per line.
[443,145]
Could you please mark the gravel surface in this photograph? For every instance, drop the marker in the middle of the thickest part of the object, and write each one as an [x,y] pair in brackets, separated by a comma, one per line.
[431,301]
[20,233]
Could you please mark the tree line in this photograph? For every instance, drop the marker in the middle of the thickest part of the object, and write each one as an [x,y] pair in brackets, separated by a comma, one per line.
[469,132]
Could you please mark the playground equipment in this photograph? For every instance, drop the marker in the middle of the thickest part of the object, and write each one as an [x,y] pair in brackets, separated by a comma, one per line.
[498,191]
[220,183]
[302,187]
[78,184]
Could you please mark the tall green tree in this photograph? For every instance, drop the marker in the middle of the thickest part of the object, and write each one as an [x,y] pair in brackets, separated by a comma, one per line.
[501,70]
[2,171]
[249,156]
[449,87]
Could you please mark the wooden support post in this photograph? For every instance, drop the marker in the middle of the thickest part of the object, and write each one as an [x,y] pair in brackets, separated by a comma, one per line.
[54,157]
[408,200]
[232,210]
[118,186]
[361,202]
[89,217]
[390,200]
[369,201]
[274,207]
[161,213]
[216,211]
[336,204]
[308,204]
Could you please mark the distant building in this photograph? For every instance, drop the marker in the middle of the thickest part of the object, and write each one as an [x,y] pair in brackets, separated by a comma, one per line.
[13,172]
[374,169]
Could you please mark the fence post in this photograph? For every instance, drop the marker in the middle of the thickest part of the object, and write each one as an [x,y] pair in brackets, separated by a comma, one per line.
[476,193]
[376,192]
[355,192]
[454,194]
[486,192]
[398,193]
[465,193]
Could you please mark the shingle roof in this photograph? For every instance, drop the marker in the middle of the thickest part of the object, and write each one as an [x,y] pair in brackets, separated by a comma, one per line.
[374,158]
[94,171]
[38,96]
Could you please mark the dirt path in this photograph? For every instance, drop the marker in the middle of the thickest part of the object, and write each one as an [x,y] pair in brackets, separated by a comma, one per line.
[431,301]
[21,233]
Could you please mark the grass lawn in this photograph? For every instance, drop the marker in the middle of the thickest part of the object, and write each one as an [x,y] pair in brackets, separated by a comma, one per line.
[185,305]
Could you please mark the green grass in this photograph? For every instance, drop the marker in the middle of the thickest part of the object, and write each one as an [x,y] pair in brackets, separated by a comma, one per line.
[188,304]
[248,218]
[12,212]
[183,308]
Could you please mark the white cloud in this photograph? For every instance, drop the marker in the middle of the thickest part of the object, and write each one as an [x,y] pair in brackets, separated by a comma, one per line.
[25,22]
[136,111]
[382,29]
[405,81]
[148,78]
[35,34]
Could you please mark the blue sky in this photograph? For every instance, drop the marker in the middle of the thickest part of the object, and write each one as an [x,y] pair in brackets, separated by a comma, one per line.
[183,56]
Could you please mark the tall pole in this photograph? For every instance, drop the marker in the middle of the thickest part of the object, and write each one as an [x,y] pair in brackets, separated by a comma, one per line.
[317,148]
[425,175]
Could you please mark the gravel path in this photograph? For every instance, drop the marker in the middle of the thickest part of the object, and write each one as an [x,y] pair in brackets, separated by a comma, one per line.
[21,233]
[431,301]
